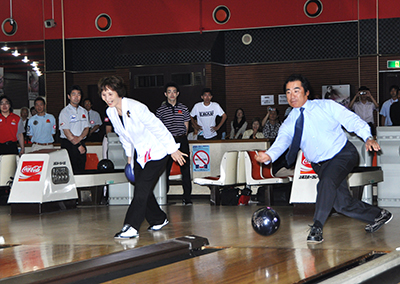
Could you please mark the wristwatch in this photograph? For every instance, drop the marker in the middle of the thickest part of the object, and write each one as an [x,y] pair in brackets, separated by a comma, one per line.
[370,138]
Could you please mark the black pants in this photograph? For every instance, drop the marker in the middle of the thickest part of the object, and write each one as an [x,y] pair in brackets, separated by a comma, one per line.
[185,169]
[77,159]
[144,204]
[9,148]
[332,188]
[94,137]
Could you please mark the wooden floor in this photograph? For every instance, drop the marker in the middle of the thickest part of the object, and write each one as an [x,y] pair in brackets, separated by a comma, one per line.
[49,240]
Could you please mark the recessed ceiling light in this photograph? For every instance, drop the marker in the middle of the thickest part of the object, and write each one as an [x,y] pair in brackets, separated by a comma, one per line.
[16,53]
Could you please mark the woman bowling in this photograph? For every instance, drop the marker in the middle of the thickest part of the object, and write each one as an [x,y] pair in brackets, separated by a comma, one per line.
[147,143]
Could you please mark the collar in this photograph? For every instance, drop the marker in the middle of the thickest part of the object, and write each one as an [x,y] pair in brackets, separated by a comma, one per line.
[205,105]
[169,105]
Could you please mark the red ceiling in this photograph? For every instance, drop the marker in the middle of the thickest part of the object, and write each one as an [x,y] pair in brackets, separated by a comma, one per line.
[174,16]
[137,17]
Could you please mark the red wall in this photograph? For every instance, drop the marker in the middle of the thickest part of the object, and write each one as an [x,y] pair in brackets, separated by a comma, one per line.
[137,17]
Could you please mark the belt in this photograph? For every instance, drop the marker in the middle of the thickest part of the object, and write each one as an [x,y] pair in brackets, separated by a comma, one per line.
[8,143]
[322,162]
[43,144]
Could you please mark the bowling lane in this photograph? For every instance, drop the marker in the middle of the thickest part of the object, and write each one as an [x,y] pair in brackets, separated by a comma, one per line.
[246,265]
[62,237]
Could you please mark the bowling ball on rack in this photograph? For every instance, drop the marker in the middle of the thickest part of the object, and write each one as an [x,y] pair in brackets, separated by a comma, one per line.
[265,221]
[129,173]
[105,166]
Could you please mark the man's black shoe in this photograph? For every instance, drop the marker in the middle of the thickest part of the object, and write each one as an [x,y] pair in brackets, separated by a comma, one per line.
[381,220]
[315,235]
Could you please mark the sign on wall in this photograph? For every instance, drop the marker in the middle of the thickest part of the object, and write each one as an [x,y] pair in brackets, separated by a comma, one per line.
[267,100]
[201,158]
[338,93]
[282,99]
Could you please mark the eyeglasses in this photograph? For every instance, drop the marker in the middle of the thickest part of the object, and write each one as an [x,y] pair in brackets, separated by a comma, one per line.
[4,103]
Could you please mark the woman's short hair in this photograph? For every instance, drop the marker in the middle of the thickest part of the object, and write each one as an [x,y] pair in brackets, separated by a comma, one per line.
[114,83]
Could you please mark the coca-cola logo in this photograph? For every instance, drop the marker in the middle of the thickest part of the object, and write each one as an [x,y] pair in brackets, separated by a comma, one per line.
[304,162]
[30,171]
[305,167]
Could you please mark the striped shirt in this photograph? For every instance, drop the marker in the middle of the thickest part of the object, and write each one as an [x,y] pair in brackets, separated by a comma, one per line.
[174,117]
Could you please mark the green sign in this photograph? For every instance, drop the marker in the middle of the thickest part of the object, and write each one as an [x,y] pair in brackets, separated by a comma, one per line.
[393,64]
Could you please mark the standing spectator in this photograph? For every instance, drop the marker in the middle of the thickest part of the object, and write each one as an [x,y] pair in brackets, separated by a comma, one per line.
[238,124]
[11,129]
[271,123]
[175,117]
[41,127]
[385,110]
[109,129]
[74,127]
[365,106]
[147,143]
[24,113]
[33,111]
[206,113]
[95,122]
[255,131]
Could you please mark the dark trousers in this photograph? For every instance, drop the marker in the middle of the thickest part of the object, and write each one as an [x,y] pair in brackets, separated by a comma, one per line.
[332,188]
[77,159]
[144,204]
[94,137]
[185,169]
[9,148]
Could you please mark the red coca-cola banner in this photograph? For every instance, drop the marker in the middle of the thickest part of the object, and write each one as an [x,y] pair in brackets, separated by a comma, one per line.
[31,171]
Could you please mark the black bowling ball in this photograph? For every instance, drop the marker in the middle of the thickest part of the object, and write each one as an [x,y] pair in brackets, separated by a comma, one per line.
[105,166]
[265,221]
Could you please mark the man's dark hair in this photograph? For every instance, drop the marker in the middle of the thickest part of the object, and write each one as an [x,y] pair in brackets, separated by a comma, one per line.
[9,101]
[363,88]
[75,87]
[394,87]
[171,84]
[87,99]
[39,99]
[207,90]
[298,77]
[114,83]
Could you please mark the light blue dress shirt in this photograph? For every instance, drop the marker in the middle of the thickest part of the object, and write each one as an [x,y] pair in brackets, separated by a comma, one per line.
[323,136]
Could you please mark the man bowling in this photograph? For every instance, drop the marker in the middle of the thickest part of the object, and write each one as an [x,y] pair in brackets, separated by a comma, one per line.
[315,126]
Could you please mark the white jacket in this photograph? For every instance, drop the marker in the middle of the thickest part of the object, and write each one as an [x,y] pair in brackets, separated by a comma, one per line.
[143,132]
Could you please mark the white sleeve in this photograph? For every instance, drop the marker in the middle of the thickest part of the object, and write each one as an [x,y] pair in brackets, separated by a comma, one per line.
[157,128]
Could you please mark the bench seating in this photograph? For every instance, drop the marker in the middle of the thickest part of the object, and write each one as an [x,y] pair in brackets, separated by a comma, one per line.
[228,176]
[259,174]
